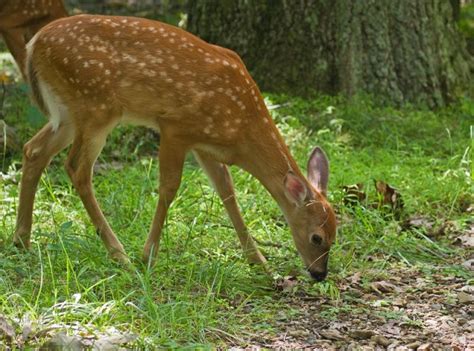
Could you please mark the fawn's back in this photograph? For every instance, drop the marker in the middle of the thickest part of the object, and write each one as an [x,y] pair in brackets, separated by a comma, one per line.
[144,72]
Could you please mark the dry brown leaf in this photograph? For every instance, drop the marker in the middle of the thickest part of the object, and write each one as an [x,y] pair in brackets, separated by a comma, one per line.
[383,286]
[381,340]
[389,196]
[353,194]
[355,278]
[362,334]
[332,334]
[287,283]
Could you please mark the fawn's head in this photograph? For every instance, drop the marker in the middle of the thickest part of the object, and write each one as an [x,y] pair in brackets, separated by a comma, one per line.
[313,222]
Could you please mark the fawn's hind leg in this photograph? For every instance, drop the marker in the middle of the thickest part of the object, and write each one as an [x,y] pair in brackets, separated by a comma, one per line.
[37,153]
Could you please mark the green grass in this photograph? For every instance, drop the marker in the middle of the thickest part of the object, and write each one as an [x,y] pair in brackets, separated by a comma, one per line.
[201,291]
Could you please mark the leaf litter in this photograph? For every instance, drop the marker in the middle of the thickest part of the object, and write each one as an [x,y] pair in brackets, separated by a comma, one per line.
[408,310]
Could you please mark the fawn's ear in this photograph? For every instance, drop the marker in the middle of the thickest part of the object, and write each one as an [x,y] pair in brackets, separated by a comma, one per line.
[318,170]
[295,190]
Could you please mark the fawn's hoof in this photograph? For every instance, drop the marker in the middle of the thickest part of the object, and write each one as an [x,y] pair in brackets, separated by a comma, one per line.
[149,255]
[21,242]
[256,258]
[121,257]
[148,260]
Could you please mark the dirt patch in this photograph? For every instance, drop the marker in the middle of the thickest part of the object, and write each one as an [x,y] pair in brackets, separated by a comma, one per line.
[411,310]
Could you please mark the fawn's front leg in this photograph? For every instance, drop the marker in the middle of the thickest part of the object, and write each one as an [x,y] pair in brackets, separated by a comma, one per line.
[220,177]
[171,158]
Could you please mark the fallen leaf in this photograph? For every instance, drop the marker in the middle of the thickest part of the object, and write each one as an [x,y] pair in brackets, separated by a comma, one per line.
[114,342]
[465,297]
[381,340]
[469,264]
[466,240]
[413,345]
[355,278]
[26,330]
[298,333]
[332,334]
[362,334]
[424,347]
[383,287]
[419,222]
[6,329]
[353,194]
[62,341]
[469,289]
[389,196]
[287,283]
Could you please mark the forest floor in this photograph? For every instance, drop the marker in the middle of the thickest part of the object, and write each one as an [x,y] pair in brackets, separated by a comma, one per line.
[408,310]
[400,274]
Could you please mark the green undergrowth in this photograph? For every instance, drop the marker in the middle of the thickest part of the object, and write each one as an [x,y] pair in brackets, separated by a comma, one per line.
[201,291]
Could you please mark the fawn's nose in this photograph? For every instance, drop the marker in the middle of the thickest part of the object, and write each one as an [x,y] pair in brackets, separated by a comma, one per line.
[318,276]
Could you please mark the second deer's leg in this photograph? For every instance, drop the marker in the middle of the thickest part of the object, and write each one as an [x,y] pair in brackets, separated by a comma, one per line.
[220,177]
[14,38]
[37,153]
[85,149]
[171,159]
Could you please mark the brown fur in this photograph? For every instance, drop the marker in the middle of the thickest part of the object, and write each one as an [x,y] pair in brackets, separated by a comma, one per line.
[100,71]
[21,19]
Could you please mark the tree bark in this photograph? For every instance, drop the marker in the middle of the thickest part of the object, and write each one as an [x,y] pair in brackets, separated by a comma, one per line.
[401,51]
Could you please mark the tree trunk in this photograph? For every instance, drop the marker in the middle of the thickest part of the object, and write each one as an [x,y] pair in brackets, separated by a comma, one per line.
[401,51]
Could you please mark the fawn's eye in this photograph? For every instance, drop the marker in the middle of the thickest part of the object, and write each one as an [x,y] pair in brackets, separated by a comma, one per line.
[316,240]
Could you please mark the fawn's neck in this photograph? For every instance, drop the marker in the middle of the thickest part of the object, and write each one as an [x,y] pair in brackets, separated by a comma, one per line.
[269,160]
